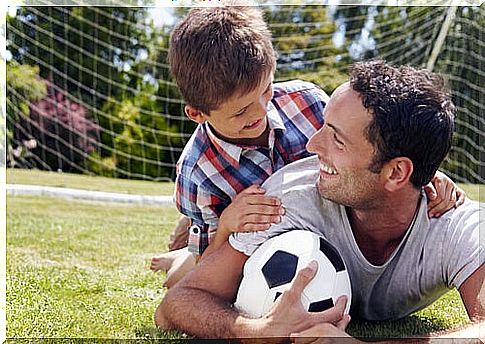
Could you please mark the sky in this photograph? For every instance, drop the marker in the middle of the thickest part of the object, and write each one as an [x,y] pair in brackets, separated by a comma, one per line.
[161,15]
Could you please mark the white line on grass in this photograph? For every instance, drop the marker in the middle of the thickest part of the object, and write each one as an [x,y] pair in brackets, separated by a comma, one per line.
[37,190]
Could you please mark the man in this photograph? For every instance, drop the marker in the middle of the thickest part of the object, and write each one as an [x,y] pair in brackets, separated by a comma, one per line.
[385,134]
[249,127]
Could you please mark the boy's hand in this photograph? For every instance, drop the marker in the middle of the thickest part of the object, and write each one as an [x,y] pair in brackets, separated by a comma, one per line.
[443,194]
[251,211]
[180,235]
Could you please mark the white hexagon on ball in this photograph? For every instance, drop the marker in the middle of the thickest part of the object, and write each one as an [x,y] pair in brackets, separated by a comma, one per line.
[274,265]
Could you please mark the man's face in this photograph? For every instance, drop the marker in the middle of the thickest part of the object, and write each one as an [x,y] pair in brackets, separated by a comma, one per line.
[345,153]
[242,118]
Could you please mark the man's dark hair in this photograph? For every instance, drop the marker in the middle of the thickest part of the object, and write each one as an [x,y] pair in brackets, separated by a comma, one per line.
[412,115]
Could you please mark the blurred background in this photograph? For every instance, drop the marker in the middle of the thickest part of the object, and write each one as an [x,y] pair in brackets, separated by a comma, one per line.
[89,89]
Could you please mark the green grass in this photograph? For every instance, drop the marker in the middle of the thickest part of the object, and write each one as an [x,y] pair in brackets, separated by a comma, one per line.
[474,191]
[446,313]
[84,182]
[77,181]
[80,269]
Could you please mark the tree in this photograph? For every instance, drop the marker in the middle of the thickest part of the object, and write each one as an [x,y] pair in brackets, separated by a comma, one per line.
[23,86]
[302,35]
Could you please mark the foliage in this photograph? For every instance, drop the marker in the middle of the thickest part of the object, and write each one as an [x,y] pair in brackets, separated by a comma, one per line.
[88,46]
[407,35]
[461,60]
[113,60]
[61,127]
[49,124]
[141,139]
[23,87]
[98,56]
[302,35]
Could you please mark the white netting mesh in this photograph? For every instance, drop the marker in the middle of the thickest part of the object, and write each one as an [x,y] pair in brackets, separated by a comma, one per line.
[107,105]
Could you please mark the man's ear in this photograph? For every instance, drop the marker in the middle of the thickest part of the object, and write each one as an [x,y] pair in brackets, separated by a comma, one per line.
[397,173]
[194,114]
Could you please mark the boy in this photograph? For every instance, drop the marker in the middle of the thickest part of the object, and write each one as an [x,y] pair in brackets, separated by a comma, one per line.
[223,61]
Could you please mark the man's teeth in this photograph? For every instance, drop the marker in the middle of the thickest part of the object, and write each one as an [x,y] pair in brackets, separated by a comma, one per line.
[327,169]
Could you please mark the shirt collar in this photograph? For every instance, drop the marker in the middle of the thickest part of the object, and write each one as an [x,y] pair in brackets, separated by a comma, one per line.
[232,152]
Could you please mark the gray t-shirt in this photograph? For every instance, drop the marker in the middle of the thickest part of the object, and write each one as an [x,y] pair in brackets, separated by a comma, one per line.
[434,255]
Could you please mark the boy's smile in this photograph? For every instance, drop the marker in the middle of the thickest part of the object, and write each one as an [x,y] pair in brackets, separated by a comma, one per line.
[242,118]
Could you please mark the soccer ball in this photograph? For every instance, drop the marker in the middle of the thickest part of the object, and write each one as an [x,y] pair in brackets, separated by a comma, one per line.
[272,267]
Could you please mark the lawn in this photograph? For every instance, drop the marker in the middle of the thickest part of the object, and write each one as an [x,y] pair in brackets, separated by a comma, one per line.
[80,270]
[84,182]
[96,183]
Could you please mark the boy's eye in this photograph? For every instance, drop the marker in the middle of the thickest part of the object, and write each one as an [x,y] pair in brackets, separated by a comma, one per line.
[240,113]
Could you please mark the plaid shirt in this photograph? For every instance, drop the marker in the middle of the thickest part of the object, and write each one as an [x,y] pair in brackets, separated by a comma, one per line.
[211,172]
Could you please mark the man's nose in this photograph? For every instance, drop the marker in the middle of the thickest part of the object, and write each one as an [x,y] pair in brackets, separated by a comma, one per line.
[316,141]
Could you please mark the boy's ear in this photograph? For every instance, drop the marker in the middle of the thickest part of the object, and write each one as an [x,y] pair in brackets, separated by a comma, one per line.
[194,114]
[397,173]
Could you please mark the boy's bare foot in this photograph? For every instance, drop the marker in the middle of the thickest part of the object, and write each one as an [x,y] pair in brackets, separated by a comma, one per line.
[164,262]
[181,265]
[180,235]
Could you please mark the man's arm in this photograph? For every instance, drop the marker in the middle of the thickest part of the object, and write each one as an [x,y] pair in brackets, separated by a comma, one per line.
[472,293]
[201,303]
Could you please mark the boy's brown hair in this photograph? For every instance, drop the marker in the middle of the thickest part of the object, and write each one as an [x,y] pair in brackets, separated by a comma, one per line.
[218,52]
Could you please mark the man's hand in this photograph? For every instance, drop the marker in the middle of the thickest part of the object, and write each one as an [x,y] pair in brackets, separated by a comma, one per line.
[288,315]
[443,194]
[250,211]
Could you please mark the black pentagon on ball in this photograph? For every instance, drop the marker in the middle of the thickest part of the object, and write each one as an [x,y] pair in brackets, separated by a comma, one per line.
[280,268]
[332,254]
[320,306]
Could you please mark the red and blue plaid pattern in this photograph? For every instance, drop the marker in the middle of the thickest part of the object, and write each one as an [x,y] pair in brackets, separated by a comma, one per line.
[211,172]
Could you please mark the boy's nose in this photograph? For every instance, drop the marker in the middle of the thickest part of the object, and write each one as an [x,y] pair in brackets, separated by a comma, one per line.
[262,108]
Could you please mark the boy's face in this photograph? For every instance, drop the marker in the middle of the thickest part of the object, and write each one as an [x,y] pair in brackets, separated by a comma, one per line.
[242,118]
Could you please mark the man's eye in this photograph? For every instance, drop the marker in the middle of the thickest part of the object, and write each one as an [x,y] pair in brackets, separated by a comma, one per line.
[340,143]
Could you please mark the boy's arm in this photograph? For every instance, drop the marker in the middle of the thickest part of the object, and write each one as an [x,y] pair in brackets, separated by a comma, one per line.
[200,206]
[443,195]
[249,211]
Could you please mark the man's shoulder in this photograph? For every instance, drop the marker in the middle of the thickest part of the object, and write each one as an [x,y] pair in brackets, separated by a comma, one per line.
[466,215]
[298,175]
[460,225]
[468,212]
[298,86]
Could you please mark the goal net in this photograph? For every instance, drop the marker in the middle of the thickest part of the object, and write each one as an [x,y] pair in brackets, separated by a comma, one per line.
[89,88]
